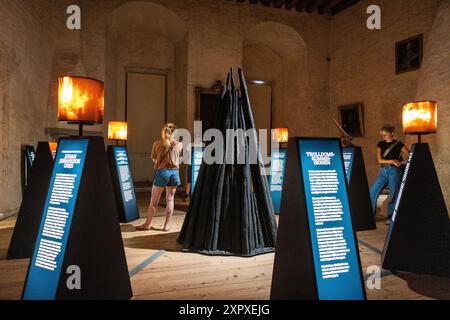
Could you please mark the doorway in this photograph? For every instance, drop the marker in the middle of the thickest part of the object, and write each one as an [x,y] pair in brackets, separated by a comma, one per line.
[260,93]
[146,115]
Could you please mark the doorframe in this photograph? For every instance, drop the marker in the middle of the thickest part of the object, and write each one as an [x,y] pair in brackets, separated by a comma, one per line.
[271,84]
[147,71]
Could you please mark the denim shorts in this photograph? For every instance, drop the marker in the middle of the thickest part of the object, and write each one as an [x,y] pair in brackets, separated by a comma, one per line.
[167,178]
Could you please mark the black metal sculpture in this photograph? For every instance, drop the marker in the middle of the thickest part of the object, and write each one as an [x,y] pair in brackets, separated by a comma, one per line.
[231,212]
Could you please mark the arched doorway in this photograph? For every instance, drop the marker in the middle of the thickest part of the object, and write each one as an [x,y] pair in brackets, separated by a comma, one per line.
[146,68]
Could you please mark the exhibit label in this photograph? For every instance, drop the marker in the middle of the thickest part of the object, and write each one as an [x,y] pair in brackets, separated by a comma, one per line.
[45,267]
[126,183]
[336,262]
[196,162]
[276,179]
[348,155]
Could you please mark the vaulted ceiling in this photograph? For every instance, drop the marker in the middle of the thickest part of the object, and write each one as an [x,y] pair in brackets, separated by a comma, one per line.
[311,6]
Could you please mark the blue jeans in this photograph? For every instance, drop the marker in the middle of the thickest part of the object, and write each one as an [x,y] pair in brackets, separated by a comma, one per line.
[389,176]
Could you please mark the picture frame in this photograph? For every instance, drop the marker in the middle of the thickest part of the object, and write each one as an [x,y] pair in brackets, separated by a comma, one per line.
[351,118]
[409,54]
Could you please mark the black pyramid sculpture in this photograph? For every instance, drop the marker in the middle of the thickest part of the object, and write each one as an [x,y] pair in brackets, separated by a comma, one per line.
[231,212]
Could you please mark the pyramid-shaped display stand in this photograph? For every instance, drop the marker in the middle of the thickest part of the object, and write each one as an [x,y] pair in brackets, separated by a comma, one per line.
[87,236]
[123,186]
[299,266]
[419,238]
[30,212]
[359,195]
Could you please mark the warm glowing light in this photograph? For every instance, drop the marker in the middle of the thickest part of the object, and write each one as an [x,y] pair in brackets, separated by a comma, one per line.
[117,130]
[420,117]
[53,147]
[80,100]
[281,135]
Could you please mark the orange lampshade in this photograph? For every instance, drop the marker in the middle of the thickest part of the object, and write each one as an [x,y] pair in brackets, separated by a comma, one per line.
[117,130]
[420,117]
[280,135]
[80,100]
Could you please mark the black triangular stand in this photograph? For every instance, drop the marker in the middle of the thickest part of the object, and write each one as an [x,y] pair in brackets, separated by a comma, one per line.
[419,238]
[359,195]
[127,208]
[94,242]
[293,272]
[30,212]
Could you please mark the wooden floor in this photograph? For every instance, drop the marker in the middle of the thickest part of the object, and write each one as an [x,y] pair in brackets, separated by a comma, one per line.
[177,275]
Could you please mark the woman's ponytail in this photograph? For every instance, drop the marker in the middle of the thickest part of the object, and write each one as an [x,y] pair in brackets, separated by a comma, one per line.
[166,134]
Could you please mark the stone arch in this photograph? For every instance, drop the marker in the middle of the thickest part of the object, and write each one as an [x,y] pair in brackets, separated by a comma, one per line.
[277,53]
[145,37]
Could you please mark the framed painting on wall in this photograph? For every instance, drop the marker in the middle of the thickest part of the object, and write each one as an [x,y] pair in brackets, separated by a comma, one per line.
[351,118]
[409,54]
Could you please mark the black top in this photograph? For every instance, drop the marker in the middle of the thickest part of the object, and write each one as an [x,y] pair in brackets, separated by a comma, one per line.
[395,153]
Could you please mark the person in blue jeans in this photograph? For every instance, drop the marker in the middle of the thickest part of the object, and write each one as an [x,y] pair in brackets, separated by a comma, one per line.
[391,154]
[166,154]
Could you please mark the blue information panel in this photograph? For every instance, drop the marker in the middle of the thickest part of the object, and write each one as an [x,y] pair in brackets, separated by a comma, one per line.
[348,154]
[336,261]
[196,162]
[126,183]
[45,267]
[277,169]
[30,155]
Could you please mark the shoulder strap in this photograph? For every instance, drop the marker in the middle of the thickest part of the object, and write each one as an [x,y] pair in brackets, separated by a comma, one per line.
[388,150]
[167,152]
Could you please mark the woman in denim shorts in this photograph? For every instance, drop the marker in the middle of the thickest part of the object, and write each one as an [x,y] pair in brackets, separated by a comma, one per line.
[166,155]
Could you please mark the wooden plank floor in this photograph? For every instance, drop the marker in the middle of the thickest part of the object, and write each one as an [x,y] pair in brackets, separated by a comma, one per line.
[180,275]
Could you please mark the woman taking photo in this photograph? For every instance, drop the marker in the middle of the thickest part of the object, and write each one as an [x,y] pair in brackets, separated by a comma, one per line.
[166,155]
[391,154]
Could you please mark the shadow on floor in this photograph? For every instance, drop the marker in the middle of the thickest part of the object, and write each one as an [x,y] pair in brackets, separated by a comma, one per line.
[5,239]
[427,285]
[166,241]
[127,228]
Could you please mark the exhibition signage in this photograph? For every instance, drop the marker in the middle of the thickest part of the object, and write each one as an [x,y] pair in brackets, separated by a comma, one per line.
[418,238]
[277,168]
[123,183]
[45,268]
[317,254]
[79,229]
[196,162]
[28,155]
[35,193]
[348,154]
[358,190]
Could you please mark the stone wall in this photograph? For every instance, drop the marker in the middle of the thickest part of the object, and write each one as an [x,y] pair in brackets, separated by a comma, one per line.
[27,39]
[363,66]
[204,38]
[434,84]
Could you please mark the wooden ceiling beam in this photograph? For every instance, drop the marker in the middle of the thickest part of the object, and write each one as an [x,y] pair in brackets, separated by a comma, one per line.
[342,6]
[327,6]
[289,4]
[314,5]
[278,3]
[301,4]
